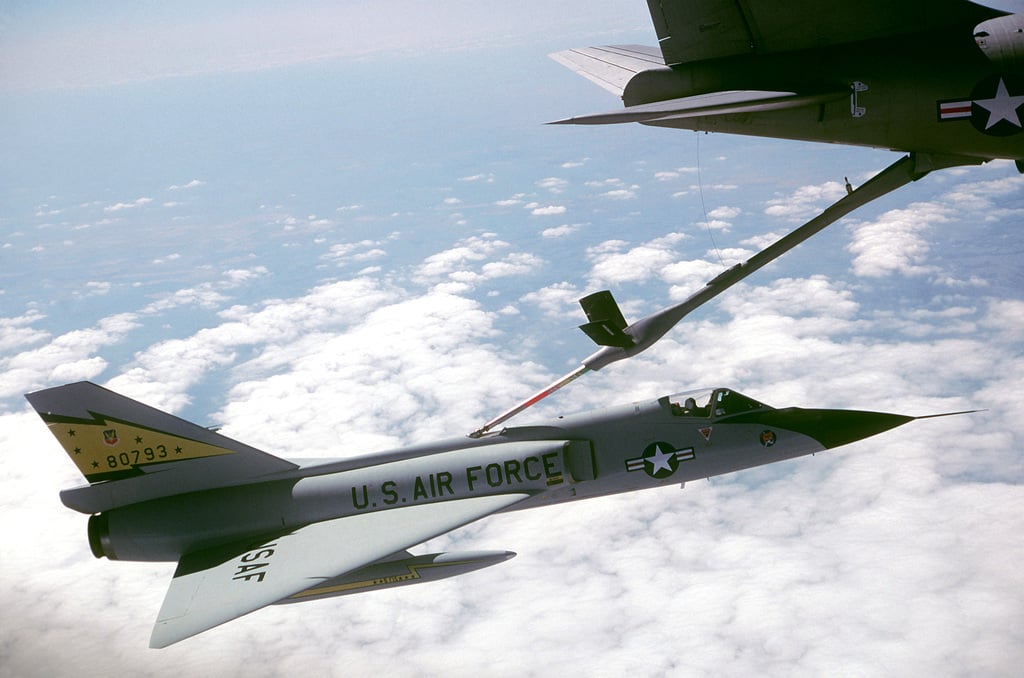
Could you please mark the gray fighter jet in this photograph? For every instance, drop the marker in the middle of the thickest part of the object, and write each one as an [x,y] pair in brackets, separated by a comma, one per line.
[943,78]
[249,529]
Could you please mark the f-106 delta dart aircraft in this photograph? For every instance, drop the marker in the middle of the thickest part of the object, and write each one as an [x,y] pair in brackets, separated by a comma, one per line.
[249,529]
[943,78]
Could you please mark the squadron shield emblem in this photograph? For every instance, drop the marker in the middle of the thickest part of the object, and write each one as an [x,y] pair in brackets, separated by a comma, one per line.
[110,437]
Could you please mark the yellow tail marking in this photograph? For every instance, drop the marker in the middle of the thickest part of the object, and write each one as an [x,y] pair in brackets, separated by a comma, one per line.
[113,447]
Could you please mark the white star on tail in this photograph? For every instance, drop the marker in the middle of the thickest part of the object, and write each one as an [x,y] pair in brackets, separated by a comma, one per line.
[1002,106]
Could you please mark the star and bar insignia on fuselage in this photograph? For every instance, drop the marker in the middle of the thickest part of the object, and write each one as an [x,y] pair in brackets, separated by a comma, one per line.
[660,459]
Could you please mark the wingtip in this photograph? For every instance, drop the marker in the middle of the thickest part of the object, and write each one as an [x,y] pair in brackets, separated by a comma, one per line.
[158,640]
[168,630]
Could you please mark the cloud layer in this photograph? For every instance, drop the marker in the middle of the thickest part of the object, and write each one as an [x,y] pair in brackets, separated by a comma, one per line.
[892,555]
[362,299]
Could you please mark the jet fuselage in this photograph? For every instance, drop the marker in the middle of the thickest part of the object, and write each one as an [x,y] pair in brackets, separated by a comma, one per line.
[619,449]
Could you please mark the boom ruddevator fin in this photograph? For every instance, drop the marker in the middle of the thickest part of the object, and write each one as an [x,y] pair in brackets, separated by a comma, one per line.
[606,320]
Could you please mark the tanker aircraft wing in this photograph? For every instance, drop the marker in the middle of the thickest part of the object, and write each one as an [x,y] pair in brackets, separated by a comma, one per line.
[941,77]
[692,30]
[217,585]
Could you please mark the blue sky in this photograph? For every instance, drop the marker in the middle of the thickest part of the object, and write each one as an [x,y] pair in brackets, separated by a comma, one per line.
[339,230]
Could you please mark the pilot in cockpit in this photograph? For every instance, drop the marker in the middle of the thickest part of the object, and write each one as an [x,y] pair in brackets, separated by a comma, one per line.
[689,409]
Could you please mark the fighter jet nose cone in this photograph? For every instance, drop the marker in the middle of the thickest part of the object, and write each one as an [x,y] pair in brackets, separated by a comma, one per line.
[833,428]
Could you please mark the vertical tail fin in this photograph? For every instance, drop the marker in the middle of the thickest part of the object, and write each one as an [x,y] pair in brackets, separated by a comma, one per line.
[113,438]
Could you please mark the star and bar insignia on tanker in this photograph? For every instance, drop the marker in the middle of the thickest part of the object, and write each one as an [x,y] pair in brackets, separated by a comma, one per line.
[993,108]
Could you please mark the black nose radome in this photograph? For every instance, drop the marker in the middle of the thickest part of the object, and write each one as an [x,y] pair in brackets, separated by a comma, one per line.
[831,428]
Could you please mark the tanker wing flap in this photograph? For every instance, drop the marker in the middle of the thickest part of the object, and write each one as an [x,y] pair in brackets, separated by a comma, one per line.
[611,66]
[217,585]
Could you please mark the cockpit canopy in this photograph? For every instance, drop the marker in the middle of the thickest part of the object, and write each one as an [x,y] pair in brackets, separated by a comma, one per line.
[717,402]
